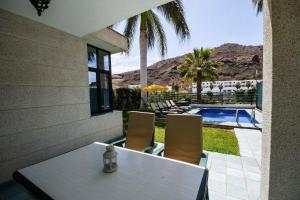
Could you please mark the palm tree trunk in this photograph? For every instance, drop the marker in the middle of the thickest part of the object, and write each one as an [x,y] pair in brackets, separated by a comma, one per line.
[143,66]
[199,86]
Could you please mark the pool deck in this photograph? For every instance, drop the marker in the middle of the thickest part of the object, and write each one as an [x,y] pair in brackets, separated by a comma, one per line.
[247,108]
[237,177]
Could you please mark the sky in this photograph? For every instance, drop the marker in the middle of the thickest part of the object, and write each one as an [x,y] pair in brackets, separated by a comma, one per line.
[211,23]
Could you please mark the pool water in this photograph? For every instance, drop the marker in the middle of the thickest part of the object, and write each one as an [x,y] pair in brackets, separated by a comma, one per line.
[223,115]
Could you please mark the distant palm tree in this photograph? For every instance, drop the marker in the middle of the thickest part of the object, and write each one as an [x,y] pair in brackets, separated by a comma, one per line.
[238,86]
[220,87]
[248,84]
[198,67]
[259,5]
[151,31]
[211,86]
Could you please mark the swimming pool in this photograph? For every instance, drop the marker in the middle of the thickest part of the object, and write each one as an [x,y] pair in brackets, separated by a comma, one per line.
[219,115]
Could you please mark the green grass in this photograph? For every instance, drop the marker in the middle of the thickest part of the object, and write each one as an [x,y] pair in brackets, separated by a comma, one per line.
[214,139]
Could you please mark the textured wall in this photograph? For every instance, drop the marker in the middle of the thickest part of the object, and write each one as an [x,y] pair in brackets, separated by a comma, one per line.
[281,101]
[44,95]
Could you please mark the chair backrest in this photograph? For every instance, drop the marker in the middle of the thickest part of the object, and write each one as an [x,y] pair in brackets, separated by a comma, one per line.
[160,105]
[165,105]
[140,130]
[168,104]
[172,103]
[153,106]
[183,138]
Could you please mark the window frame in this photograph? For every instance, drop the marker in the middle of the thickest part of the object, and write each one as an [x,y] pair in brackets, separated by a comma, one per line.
[98,72]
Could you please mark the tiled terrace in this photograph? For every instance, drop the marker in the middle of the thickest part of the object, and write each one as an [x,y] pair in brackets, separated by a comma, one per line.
[237,177]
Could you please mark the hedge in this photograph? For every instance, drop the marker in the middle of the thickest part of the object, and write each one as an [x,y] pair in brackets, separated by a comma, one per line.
[127,99]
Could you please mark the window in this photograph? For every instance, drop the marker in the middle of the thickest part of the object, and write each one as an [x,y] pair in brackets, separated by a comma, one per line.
[99,80]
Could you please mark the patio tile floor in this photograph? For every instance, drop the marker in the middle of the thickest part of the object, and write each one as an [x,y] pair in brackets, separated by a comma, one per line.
[236,177]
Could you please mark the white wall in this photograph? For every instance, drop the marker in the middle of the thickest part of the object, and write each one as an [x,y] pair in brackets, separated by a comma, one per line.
[44,95]
[281,105]
[228,86]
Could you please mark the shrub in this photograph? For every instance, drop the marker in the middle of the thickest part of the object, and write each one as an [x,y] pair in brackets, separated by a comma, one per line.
[210,95]
[175,88]
[127,99]
[251,95]
[240,96]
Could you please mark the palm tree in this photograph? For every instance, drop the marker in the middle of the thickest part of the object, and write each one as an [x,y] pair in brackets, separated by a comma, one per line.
[259,5]
[220,87]
[198,67]
[151,32]
[211,86]
[238,85]
[248,84]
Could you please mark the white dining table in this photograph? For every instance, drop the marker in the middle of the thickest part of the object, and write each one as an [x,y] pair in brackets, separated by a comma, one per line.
[78,175]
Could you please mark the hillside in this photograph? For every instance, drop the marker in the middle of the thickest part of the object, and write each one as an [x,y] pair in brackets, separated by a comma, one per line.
[240,63]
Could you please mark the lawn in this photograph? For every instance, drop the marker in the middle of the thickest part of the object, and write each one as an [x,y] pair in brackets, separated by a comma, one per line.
[214,139]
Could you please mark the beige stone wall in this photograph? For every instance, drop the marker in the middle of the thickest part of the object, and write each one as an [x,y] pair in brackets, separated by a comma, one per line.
[281,103]
[44,95]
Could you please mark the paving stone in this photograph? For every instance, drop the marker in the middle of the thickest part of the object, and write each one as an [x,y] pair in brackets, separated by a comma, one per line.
[232,198]
[233,180]
[215,195]
[217,162]
[248,168]
[234,159]
[253,188]
[217,176]
[219,156]
[249,161]
[218,168]
[252,176]
[237,191]
[235,166]
[235,172]
[217,186]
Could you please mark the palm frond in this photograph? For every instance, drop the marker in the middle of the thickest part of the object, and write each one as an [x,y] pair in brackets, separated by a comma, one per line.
[259,5]
[150,33]
[159,32]
[174,14]
[130,29]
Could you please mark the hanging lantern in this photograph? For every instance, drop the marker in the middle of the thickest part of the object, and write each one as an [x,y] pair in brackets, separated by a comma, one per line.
[110,159]
[40,5]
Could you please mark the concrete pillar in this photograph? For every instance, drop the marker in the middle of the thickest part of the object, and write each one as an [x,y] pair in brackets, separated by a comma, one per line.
[281,103]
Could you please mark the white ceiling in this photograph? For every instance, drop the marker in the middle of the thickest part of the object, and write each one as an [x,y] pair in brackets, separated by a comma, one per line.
[81,17]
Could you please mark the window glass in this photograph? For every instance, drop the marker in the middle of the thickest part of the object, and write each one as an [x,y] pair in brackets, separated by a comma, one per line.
[92,59]
[105,104]
[93,92]
[104,61]
[99,76]
[92,78]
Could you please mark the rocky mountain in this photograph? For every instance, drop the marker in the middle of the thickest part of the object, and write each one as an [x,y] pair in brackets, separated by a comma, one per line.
[239,63]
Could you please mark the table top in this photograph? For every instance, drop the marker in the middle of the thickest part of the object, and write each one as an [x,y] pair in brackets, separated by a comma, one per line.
[78,175]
